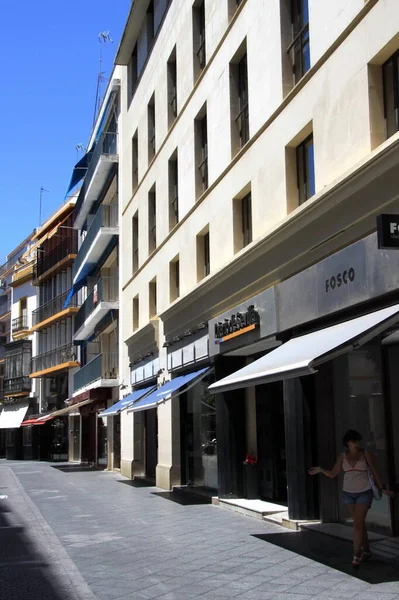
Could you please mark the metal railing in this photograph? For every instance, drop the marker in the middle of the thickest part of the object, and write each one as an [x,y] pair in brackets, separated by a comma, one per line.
[17,385]
[105,290]
[54,306]
[19,324]
[2,352]
[68,246]
[103,366]
[58,356]
[107,144]
[5,307]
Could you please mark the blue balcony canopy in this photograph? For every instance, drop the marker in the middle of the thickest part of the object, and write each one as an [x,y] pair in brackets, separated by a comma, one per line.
[125,402]
[79,170]
[175,386]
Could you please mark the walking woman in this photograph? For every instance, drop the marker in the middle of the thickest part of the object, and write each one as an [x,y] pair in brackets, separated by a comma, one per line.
[356,492]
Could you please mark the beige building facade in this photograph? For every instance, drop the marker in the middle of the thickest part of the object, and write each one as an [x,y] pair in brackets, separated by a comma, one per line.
[256,139]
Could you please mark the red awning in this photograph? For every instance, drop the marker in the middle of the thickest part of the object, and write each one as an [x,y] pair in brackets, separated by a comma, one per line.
[32,422]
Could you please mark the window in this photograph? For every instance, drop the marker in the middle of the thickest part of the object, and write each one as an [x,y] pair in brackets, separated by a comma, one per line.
[133,71]
[239,100]
[242,222]
[199,38]
[150,25]
[174,278]
[305,170]
[151,128]
[135,241]
[173,191]
[203,255]
[135,161]
[152,220]
[391,94]
[201,152]
[172,88]
[153,298]
[299,49]
[136,313]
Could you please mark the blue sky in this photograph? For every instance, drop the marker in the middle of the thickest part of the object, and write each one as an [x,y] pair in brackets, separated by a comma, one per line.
[48,64]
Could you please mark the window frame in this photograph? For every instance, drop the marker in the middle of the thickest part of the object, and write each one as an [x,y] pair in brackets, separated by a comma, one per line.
[242,117]
[300,44]
[306,186]
[394,78]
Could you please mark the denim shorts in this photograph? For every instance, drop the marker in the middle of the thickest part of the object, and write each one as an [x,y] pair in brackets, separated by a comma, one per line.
[365,497]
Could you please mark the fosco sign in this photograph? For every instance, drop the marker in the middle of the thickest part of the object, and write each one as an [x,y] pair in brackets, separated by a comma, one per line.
[388,232]
[340,279]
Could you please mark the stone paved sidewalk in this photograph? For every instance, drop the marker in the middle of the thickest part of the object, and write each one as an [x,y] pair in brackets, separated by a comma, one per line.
[76,533]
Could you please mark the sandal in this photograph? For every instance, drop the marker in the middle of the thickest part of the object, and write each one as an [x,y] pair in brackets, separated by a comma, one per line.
[356,562]
[365,556]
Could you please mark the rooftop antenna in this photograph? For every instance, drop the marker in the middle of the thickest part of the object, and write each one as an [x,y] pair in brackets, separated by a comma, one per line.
[79,148]
[42,189]
[103,38]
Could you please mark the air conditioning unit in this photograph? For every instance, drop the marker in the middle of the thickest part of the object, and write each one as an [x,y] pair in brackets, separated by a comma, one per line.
[3,283]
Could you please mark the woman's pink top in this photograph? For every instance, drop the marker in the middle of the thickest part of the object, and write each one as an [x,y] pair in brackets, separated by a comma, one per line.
[356,478]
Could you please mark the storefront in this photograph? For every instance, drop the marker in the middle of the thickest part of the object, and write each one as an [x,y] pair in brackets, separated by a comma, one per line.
[337,324]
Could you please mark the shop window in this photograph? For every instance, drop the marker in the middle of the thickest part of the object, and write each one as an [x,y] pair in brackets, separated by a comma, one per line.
[305,170]
[152,221]
[203,255]
[201,152]
[299,48]
[199,41]
[153,298]
[135,161]
[136,313]
[173,191]
[172,88]
[135,241]
[391,94]
[151,128]
[174,278]
[239,106]
[242,222]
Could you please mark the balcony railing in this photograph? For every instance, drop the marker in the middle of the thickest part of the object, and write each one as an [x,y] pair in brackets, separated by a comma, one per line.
[106,290]
[17,385]
[54,358]
[54,306]
[68,246]
[19,324]
[106,216]
[5,307]
[107,144]
[2,352]
[103,366]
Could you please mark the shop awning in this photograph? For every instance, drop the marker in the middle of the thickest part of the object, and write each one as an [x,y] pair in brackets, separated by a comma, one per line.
[64,411]
[30,422]
[125,402]
[12,415]
[300,356]
[175,386]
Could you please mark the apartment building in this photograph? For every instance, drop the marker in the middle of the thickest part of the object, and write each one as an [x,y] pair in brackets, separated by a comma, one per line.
[19,396]
[95,278]
[258,144]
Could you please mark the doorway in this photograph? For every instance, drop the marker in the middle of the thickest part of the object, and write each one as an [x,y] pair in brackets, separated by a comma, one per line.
[151,442]
[117,442]
[392,386]
[75,438]
[271,442]
[102,454]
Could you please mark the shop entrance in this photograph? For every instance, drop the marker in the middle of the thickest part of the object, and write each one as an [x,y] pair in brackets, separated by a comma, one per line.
[89,438]
[117,442]
[151,442]
[392,358]
[102,454]
[75,438]
[271,442]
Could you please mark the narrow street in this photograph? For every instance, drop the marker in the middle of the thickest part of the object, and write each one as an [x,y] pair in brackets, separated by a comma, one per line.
[73,533]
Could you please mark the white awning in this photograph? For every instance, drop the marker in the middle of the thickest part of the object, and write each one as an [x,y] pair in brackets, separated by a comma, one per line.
[299,356]
[12,415]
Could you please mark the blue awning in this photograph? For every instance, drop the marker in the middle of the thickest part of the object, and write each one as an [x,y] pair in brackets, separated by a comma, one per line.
[125,402]
[74,290]
[171,387]
[79,170]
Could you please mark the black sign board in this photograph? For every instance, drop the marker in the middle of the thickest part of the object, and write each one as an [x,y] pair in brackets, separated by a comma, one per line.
[388,232]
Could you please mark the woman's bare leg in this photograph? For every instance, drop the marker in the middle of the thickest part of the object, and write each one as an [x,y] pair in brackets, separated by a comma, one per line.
[359,528]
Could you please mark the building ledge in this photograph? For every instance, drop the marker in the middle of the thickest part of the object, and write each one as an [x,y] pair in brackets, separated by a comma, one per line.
[99,383]
[68,312]
[61,367]
[62,264]
[16,394]
[19,335]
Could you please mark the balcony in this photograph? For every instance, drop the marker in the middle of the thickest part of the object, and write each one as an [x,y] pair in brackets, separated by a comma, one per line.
[103,228]
[103,159]
[59,359]
[22,275]
[19,327]
[5,307]
[53,262]
[101,371]
[102,299]
[53,311]
[17,386]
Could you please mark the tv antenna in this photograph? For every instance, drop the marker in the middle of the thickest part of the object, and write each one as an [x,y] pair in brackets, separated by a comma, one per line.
[42,189]
[103,38]
[79,148]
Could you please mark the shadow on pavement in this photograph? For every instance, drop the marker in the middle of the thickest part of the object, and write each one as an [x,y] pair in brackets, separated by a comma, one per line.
[183,499]
[24,573]
[77,468]
[336,554]
[137,483]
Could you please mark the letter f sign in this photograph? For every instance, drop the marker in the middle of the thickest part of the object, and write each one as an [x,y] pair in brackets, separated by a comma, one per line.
[393,227]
